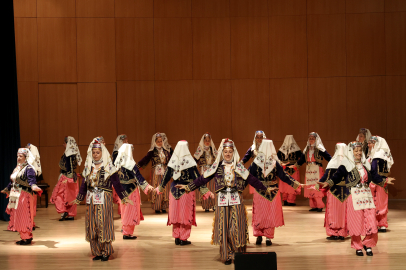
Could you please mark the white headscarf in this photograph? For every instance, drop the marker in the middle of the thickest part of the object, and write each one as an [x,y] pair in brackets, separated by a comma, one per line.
[72,149]
[200,149]
[108,165]
[125,157]
[348,160]
[289,145]
[119,142]
[237,165]
[366,132]
[254,145]
[339,155]
[165,143]
[29,157]
[318,144]
[267,157]
[181,159]
[37,163]
[381,150]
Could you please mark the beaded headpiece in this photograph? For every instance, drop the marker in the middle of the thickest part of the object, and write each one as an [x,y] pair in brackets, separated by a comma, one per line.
[23,151]
[259,132]
[373,139]
[96,144]
[123,137]
[207,135]
[355,144]
[363,131]
[314,134]
[228,144]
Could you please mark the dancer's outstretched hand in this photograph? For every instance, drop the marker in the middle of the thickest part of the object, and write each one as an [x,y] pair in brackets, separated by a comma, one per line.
[292,166]
[390,181]
[180,186]
[323,184]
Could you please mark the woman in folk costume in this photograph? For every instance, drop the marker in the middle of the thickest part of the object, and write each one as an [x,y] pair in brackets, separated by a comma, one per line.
[313,155]
[230,226]
[267,211]
[130,179]
[252,151]
[159,154]
[205,155]
[22,184]
[354,174]
[67,187]
[381,161]
[117,144]
[363,137]
[37,165]
[335,217]
[182,206]
[289,154]
[99,177]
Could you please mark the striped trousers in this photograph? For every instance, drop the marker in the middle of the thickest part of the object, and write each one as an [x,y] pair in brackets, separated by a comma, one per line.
[23,216]
[131,215]
[182,215]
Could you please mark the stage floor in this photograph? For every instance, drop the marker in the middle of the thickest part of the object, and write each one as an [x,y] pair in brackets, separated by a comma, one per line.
[300,244]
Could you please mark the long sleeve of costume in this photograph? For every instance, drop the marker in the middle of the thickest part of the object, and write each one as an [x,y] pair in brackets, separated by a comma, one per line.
[139,178]
[167,177]
[301,161]
[31,176]
[82,191]
[115,181]
[247,156]
[325,155]
[283,176]
[376,177]
[255,183]
[145,160]
[338,176]
[203,188]
[200,181]
[325,176]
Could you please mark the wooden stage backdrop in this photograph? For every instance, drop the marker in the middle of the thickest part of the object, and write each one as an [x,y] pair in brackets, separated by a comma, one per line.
[229,67]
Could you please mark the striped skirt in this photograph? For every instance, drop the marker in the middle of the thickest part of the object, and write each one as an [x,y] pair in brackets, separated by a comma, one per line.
[99,220]
[267,214]
[360,222]
[23,217]
[131,214]
[159,202]
[335,217]
[182,211]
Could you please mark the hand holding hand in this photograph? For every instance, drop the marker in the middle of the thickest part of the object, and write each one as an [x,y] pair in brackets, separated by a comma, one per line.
[390,181]
[323,184]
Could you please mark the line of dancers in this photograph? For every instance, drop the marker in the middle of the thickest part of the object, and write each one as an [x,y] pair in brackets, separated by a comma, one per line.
[355,183]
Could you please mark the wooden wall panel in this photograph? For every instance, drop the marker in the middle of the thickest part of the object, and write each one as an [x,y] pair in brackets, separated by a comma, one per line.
[395,38]
[325,6]
[330,93]
[395,102]
[210,8]
[135,48]
[288,108]
[26,49]
[174,110]
[136,110]
[326,45]
[94,8]
[134,8]
[97,111]
[212,109]
[172,8]
[398,148]
[395,5]
[58,113]
[250,111]
[249,47]
[96,50]
[364,95]
[25,8]
[287,7]
[364,6]
[28,112]
[365,41]
[56,45]
[287,46]
[173,48]
[211,48]
[56,8]
[252,8]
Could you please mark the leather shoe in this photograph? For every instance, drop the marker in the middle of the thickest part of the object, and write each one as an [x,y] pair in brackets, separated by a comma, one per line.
[157,212]
[313,210]
[341,238]
[177,241]
[70,218]
[163,211]
[268,242]
[184,242]
[206,210]
[228,262]
[285,203]
[381,230]
[105,258]
[259,240]
[132,237]
[63,216]
[25,242]
[368,251]
[291,204]
[333,237]
[359,252]
[97,258]
[319,209]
